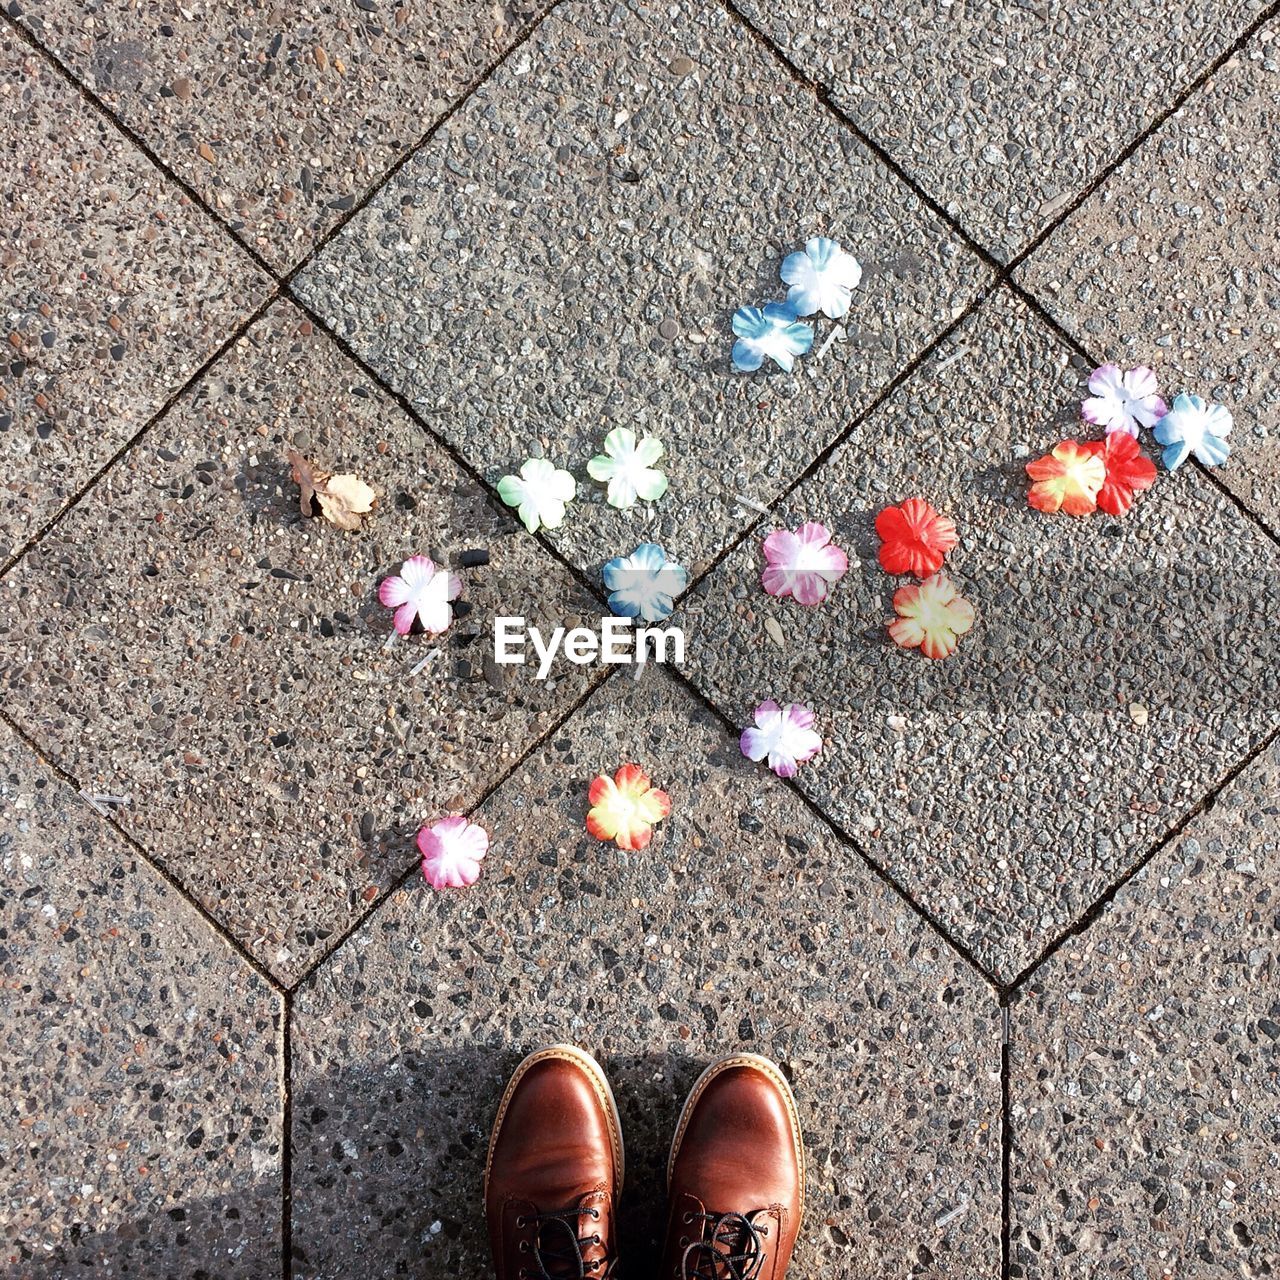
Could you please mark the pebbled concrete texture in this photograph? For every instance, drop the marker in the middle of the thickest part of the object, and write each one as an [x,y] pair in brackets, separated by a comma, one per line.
[1114,675]
[745,924]
[281,116]
[117,288]
[1003,113]
[141,1129]
[1146,1102]
[566,256]
[1172,263]
[187,637]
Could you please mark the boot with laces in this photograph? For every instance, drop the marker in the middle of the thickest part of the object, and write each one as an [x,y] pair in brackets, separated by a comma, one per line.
[554,1171]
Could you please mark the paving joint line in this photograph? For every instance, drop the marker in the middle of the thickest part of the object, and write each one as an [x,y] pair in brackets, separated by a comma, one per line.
[240,950]
[1006,1137]
[286,1145]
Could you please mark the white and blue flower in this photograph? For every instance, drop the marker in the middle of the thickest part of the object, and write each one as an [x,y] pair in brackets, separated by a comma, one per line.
[822,278]
[771,331]
[1194,425]
[644,584]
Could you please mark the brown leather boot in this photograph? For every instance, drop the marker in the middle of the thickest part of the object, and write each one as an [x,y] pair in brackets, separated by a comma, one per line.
[554,1170]
[735,1179]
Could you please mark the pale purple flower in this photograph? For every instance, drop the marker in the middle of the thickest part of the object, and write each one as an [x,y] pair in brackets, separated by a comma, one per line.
[784,734]
[1123,401]
[452,851]
[802,564]
[423,592]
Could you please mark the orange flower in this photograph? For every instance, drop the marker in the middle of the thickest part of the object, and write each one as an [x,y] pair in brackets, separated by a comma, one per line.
[931,617]
[1068,479]
[914,538]
[625,807]
[1128,472]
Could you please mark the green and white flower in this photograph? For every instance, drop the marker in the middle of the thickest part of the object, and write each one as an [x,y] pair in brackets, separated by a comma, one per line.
[539,493]
[628,468]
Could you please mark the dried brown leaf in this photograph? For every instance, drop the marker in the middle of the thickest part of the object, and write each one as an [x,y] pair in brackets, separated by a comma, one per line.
[342,499]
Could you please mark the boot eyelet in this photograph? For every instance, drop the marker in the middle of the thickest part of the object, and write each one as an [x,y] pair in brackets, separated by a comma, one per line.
[524,1246]
[686,1219]
[684,1242]
[595,1214]
[520,1223]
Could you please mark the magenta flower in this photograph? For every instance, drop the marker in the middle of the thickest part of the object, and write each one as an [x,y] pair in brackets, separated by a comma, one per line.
[421,592]
[1123,401]
[802,564]
[452,851]
[784,734]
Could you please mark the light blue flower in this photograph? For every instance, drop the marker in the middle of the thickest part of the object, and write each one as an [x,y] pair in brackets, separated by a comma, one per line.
[1194,426]
[644,584]
[771,332]
[822,278]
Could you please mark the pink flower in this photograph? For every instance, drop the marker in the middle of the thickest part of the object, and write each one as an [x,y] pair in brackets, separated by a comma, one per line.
[452,851]
[421,592]
[802,564]
[1123,401]
[784,734]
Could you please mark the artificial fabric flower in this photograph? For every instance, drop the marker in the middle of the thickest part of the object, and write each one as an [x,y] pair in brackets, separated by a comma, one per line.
[821,278]
[802,564]
[931,617]
[773,332]
[1128,472]
[421,592]
[914,538]
[783,734]
[1123,401]
[644,584]
[629,469]
[539,493]
[1194,426]
[625,807]
[452,851]
[1068,479]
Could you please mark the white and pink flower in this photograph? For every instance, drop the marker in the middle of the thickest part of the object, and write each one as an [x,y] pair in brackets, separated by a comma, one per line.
[1123,401]
[785,735]
[421,592]
[452,851]
[802,564]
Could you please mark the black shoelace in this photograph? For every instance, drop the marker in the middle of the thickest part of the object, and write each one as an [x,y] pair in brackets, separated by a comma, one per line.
[558,1245]
[730,1248]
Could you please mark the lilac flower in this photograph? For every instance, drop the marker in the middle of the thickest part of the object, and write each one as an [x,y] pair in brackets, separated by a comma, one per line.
[1123,401]
[772,332]
[784,734]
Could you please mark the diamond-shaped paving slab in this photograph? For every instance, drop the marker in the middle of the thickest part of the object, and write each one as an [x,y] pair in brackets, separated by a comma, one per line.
[117,289]
[745,924]
[281,116]
[186,637]
[1172,263]
[1146,1106]
[566,255]
[1117,670]
[140,1055]
[1003,112]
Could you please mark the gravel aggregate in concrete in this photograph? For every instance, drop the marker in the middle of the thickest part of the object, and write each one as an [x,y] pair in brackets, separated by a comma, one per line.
[1003,113]
[142,1125]
[282,116]
[1145,1055]
[1118,668]
[1172,263]
[117,288]
[567,254]
[744,925]
[186,636]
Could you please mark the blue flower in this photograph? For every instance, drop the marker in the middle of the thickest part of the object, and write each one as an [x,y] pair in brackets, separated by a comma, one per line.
[771,332]
[821,278]
[1194,426]
[644,584]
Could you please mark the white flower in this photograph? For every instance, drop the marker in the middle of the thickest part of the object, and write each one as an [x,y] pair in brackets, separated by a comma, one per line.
[1123,401]
[785,735]
[539,493]
[822,278]
[1194,426]
[422,592]
[771,331]
[628,467]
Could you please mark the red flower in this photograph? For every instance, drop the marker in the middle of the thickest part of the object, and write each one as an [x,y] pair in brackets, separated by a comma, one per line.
[914,538]
[1128,472]
[1068,479]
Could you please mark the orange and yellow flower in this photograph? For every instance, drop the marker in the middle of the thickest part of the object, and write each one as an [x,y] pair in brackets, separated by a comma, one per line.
[1068,479]
[625,807]
[931,617]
